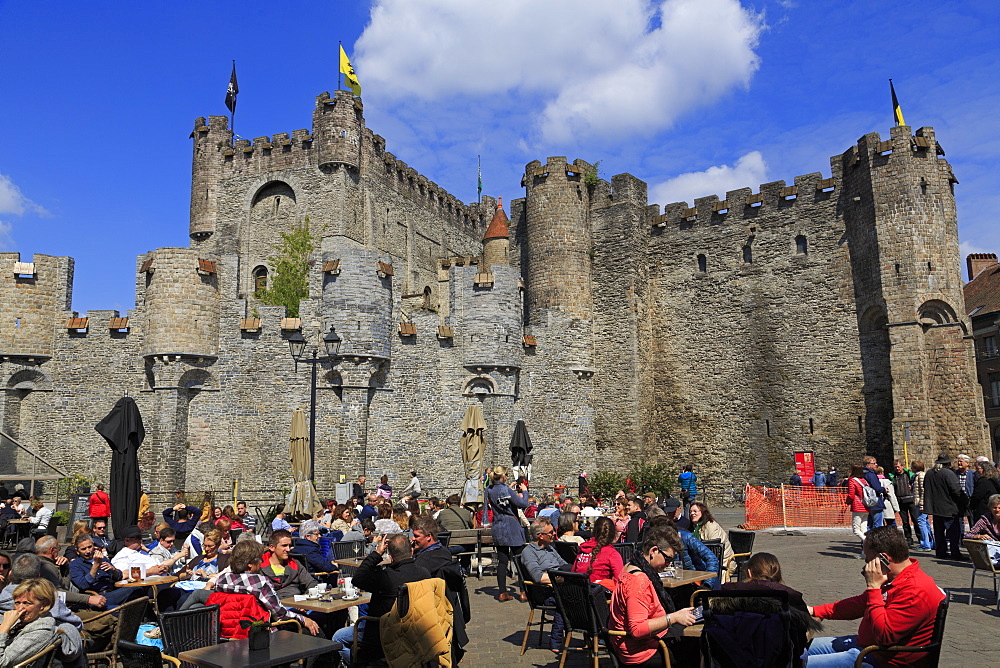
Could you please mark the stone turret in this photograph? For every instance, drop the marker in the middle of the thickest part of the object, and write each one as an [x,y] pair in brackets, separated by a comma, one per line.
[496,241]
[337,130]
[559,242]
[211,140]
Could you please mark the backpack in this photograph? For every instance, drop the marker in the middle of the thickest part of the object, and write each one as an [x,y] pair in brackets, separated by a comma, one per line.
[869,496]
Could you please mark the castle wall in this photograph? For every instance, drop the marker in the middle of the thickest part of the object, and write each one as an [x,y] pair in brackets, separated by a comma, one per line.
[827,317]
[757,356]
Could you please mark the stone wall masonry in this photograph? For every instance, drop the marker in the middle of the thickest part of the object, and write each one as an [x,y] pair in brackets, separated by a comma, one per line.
[30,305]
[181,304]
[747,354]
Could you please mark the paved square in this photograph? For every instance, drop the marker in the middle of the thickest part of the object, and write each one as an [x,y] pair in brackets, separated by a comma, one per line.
[820,564]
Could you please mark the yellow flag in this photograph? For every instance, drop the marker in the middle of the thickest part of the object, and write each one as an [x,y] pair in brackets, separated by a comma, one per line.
[350,78]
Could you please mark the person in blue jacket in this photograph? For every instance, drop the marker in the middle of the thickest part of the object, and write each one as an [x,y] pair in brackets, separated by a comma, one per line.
[688,482]
[307,546]
[696,556]
[182,519]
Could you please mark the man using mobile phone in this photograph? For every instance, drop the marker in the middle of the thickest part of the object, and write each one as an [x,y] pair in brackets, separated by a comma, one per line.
[898,606]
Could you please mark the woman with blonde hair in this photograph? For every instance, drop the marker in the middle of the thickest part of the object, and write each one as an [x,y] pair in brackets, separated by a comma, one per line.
[401,517]
[508,533]
[28,628]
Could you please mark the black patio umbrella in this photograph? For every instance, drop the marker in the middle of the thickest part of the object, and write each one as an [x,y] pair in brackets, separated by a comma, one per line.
[520,445]
[122,429]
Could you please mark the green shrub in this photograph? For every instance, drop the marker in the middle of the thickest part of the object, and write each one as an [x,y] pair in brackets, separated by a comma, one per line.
[656,478]
[605,484]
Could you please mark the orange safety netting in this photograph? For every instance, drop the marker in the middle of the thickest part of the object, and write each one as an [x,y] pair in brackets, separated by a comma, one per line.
[790,506]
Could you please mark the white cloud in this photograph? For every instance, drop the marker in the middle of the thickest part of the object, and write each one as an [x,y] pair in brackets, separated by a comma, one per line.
[6,242]
[749,171]
[12,201]
[591,69]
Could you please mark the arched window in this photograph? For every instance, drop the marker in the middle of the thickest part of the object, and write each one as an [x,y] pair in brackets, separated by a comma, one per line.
[801,245]
[259,279]
[747,254]
[702,264]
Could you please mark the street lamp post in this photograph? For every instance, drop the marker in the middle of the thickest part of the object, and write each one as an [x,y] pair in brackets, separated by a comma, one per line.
[297,346]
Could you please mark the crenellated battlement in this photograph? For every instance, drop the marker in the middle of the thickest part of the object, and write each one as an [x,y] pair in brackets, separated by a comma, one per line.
[738,204]
[555,167]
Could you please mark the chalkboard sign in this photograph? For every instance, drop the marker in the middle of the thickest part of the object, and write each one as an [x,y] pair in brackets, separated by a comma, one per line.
[79,510]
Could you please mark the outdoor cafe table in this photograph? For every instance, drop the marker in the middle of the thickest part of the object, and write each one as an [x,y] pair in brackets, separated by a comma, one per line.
[152,582]
[285,648]
[22,529]
[319,605]
[687,577]
[356,561]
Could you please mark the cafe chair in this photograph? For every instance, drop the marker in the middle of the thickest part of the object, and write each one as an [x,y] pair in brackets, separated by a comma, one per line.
[616,661]
[718,549]
[330,577]
[567,550]
[130,616]
[351,549]
[44,658]
[932,649]
[135,655]
[626,550]
[741,541]
[190,629]
[537,594]
[444,537]
[580,612]
[981,562]
[748,628]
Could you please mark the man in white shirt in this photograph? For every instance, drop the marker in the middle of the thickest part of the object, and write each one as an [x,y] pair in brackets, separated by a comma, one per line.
[132,555]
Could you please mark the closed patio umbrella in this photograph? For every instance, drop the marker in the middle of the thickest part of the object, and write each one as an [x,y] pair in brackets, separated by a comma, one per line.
[122,429]
[473,447]
[520,450]
[303,498]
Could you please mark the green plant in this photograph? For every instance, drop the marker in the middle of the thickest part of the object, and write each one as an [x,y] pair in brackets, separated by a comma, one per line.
[66,487]
[291,270]
[592,175]
[605,484]
[656,478]
[61,518]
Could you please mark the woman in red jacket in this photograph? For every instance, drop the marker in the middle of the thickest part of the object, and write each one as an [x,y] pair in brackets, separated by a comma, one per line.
[601,562]
[856,500]
[100,505]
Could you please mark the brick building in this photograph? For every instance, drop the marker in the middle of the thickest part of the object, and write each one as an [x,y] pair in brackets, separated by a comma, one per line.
[826,314]
[982,301]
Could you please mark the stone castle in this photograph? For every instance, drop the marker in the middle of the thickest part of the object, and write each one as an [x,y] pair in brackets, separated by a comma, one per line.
[823,315]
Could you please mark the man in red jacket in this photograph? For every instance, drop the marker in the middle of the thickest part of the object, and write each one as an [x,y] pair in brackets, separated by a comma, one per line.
[897,608]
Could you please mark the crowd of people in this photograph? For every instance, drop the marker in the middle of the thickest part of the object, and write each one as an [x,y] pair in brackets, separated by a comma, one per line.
[214,551]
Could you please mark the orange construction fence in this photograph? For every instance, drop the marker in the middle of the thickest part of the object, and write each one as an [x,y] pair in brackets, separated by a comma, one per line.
[792,506]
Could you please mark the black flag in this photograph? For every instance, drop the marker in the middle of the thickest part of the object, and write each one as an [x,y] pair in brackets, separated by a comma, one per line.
[232,91]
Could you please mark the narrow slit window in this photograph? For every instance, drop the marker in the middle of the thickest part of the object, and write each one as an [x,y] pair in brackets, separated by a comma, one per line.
[801,245]
[767,426]
[17,323]
[702,264]
[812,429]
[861,425]
[747,254]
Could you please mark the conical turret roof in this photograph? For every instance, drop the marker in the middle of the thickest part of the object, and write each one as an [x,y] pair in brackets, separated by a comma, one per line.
[498,228]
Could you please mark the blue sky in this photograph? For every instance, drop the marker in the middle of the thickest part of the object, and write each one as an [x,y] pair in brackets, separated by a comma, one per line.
[693,96]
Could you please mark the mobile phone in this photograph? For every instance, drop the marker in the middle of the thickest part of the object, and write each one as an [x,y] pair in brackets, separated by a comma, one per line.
[699,613]
[884,559]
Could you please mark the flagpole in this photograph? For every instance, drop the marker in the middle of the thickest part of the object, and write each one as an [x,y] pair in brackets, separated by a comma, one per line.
[340,44]
[479,178]
[232,118]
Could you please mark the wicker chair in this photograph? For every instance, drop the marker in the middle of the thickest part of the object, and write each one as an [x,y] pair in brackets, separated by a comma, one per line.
[44,658]
[130,617]
[190,629]
[135,655]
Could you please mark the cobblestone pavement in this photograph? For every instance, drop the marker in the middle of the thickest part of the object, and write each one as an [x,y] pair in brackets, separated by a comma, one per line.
[820,564]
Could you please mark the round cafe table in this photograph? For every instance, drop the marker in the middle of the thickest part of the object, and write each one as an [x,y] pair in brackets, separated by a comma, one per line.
[152,582]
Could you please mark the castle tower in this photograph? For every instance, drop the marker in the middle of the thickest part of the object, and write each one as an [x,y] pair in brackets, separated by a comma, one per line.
[337,128]
[558,235]
[210,141]
[899,210]
[496,241]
